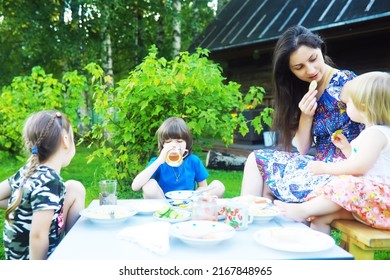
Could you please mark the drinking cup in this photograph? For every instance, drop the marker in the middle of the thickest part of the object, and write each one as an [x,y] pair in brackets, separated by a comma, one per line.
[237,216]
[174,157]
[108,194]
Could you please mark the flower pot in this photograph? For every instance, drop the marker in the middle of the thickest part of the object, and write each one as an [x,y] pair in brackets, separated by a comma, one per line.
[269,138]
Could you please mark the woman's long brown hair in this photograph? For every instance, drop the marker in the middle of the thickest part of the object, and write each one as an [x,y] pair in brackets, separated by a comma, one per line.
[288,90]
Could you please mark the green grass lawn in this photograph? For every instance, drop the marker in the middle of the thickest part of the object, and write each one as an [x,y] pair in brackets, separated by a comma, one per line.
[90,174]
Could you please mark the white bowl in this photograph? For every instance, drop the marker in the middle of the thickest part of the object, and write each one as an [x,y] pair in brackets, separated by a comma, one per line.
[102,214]
[262,215]
[202,233]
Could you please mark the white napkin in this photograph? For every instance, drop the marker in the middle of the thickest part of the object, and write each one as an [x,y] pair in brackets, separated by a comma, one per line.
[153,236]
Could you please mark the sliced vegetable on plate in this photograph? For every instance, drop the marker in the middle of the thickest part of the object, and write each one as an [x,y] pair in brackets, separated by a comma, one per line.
[169,214]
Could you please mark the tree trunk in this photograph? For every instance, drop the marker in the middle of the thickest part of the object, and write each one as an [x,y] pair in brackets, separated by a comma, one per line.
[160,30]
[108,59]
[223,161]
[176,46]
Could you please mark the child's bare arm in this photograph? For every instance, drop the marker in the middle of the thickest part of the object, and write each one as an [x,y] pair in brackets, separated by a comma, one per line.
[341,142]
[39,234]
[369,144]
[5,193]
[144,176]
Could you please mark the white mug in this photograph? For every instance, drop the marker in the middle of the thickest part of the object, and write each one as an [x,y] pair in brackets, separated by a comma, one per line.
[237,216]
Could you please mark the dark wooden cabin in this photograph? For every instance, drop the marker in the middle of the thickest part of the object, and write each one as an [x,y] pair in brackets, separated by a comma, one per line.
[243,36]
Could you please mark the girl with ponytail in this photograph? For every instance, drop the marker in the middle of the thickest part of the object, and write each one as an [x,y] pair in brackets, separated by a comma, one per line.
[41,207]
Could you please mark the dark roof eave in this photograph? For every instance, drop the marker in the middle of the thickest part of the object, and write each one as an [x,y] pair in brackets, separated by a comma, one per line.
[322,27]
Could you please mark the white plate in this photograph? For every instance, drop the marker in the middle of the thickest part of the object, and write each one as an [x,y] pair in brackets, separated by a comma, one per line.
[101,214]
[179,195]
[263,214]
[148,206]
[294,239]
[201,233]
[186,216]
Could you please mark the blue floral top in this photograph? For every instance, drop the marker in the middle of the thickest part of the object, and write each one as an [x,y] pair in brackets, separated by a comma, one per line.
[285,173]
[330,116]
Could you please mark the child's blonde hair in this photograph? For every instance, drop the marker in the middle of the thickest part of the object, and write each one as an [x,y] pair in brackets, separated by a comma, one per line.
[370,94]
[174,128]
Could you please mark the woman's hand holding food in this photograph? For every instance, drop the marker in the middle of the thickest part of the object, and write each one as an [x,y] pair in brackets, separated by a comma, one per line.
[308,103]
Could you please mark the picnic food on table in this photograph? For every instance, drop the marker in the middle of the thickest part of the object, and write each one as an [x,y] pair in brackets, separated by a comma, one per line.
[251,199]
[168,213]
[262,212]
[261,200]
[313,85]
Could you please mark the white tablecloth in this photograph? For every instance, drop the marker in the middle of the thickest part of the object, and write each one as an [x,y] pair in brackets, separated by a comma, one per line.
[89,241]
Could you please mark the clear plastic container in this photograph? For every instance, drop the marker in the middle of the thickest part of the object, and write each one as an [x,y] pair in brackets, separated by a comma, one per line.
[205,207]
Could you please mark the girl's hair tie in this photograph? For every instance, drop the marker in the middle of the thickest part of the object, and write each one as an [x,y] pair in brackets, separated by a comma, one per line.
[34,150]
[58,115]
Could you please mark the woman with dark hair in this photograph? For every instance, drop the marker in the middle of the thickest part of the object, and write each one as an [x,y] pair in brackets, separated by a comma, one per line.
[302,116]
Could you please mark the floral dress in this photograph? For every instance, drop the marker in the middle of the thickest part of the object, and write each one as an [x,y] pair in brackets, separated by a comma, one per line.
[285,173]
[367,196]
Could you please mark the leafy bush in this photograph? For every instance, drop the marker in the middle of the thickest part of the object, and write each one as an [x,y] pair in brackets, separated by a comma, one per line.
[32,93]
[190,86]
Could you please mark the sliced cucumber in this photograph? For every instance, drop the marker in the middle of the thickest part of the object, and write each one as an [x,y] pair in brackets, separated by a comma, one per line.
[173,214]
[164,211]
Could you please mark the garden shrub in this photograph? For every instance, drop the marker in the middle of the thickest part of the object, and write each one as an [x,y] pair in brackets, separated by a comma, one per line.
[28,94]
[190,86]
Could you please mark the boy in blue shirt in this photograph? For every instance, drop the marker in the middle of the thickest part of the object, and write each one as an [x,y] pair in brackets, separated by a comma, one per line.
[159,177]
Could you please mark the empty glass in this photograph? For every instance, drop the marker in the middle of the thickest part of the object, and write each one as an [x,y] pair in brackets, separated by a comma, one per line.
[108,195]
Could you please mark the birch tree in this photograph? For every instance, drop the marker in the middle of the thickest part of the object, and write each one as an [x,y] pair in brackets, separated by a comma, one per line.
[176,45]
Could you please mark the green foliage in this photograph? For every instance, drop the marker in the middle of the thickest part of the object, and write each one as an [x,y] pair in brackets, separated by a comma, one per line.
[63,35]
[32,93]
[190,86]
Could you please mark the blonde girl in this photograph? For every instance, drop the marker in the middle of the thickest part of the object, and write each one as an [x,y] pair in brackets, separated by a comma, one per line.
[159,178]
[41,208]
[360,188]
